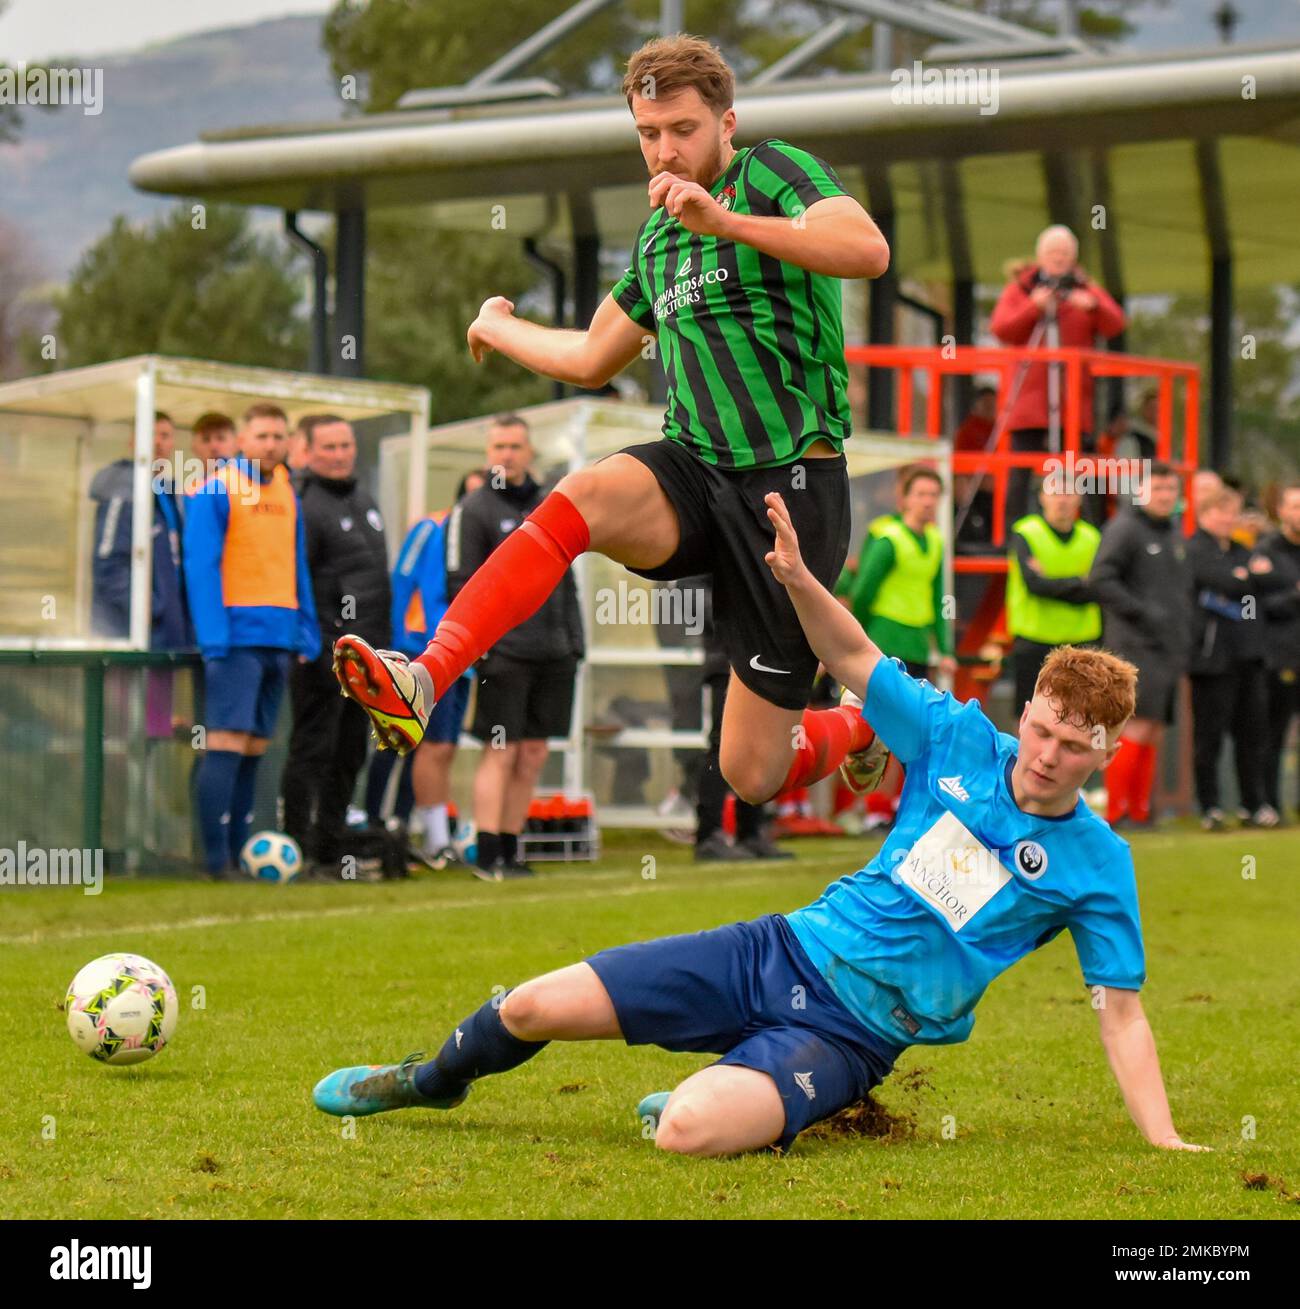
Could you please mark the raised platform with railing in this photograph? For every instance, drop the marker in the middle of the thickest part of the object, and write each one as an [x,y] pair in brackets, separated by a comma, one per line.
[1177,433]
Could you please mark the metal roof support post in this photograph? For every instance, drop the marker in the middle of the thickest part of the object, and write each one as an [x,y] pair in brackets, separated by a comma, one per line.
[540,41]
[963,278]
[142,507]
[806,51]
[558,292]
[586,258]
[1112,269]
[318,350]
[883,300]
[1214,202]
[350,292]
[1061,178]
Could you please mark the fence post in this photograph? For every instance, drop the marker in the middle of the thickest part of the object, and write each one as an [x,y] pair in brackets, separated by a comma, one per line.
[92,755]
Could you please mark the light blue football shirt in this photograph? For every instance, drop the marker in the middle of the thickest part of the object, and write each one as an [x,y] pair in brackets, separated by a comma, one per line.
[967,883]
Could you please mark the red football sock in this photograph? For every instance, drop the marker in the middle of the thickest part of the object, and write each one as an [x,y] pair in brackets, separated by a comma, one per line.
[1140,784]
[1119,779]
[828,735]
[510,587]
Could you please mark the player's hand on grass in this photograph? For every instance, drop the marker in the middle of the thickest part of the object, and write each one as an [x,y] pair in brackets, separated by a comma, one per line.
[784,559]
[1176,1142]
[496,307]
[689,203]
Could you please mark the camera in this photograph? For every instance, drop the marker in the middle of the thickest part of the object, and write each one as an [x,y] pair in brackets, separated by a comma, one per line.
[1062,284]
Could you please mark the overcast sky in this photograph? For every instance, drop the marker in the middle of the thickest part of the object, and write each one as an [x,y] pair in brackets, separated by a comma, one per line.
[36,29]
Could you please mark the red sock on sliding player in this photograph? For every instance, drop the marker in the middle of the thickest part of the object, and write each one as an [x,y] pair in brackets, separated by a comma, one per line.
[1119,779]
[826,738]
[510,587]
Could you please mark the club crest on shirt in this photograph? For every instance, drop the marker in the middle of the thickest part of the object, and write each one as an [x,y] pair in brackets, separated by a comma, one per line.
[728,196]
[1031,859]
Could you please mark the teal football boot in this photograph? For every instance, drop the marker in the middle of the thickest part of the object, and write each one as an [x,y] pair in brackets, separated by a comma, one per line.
[375,1088]
[652,1107]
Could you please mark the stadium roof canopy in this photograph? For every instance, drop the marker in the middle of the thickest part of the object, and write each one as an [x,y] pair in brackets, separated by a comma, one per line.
[1068,132]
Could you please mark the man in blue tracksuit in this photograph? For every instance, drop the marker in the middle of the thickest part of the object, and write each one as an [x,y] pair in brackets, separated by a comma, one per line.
[251,597]
[113,493]
[420,599]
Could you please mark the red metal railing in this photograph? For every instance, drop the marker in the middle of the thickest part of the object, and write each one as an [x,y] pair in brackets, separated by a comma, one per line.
[1004,361]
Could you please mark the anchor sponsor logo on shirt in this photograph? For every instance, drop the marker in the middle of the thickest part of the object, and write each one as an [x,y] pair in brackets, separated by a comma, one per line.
[953,871]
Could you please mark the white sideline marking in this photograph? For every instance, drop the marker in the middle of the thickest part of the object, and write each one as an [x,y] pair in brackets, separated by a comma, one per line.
[39,937]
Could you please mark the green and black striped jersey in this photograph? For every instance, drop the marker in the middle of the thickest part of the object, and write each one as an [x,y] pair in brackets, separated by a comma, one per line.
[753,348]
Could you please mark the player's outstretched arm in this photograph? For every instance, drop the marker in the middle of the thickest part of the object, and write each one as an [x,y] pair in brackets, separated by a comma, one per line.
[836,637]
[587,359]
[1131,1049]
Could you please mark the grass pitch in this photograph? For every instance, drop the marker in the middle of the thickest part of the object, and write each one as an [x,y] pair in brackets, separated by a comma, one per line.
[1024,1120]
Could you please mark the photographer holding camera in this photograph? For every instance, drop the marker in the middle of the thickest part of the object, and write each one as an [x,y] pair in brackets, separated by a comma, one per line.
[1051,302]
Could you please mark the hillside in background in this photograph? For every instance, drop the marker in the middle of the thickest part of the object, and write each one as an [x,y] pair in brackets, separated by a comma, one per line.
[66,178]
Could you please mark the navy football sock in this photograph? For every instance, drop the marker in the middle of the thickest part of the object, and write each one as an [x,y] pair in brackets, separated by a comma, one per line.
[241,804]
[489,849]
[216,789]
[478,1047]
[510,847]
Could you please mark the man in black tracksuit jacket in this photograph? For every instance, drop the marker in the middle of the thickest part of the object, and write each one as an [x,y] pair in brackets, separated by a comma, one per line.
[1281,640]
[525,683]
[1229,586]
[347,557]
[1139,576]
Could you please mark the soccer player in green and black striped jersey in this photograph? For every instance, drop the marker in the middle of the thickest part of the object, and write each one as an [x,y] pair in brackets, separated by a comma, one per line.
[735,275]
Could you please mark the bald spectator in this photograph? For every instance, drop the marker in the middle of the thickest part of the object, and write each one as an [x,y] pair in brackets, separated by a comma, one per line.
[1054,289]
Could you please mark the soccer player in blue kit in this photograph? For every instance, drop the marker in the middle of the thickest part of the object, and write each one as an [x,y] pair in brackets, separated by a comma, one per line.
[993,854]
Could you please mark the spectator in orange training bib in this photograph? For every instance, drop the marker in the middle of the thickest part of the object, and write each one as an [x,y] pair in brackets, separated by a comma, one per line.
[251,597]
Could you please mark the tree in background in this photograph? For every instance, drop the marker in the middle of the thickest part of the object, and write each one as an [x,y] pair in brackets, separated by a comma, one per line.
[20,311]
[215,291]
[1265,379]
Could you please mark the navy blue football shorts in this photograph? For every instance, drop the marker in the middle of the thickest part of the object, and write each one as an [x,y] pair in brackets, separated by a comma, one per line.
[748,992]
[244,688]
[448,715]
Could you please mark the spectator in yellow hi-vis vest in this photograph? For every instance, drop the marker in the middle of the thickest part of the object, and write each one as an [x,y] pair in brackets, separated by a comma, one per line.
[897,592]
[1049,601]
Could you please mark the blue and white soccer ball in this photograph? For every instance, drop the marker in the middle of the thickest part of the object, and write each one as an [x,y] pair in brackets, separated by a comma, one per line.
[271,857]
[464,841]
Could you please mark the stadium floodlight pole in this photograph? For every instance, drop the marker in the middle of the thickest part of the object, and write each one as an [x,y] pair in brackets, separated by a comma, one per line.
[142,506]
[670,17]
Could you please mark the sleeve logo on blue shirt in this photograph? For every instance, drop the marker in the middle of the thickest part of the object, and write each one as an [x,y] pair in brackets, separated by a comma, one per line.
[1031,859]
